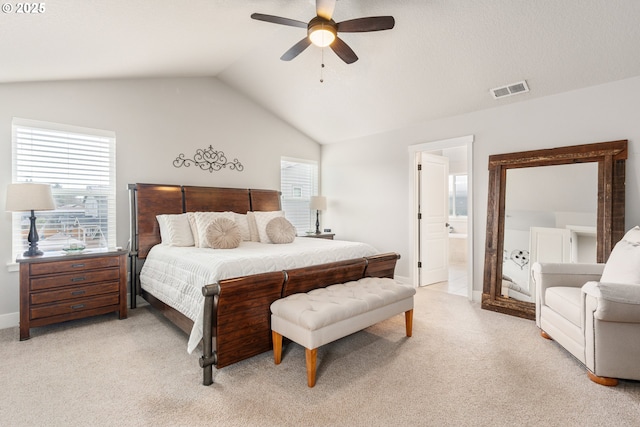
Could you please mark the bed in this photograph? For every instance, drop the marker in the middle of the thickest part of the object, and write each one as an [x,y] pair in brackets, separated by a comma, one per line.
[230,312]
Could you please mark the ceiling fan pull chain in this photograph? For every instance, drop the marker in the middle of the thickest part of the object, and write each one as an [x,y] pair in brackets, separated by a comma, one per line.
[322,66]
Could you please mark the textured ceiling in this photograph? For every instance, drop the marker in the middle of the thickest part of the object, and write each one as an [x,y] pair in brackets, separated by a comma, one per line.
[441,58]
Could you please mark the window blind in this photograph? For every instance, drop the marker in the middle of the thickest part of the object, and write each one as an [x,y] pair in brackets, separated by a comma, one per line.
[79,164]
[298,182]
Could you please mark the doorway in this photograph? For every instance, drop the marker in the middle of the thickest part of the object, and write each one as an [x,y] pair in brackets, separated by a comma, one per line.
[457,153]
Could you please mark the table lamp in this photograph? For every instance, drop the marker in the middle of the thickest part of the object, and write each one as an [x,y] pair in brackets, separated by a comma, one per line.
[32,197]
[318,203]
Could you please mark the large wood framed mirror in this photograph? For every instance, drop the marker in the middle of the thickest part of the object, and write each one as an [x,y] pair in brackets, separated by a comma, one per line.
[607,161]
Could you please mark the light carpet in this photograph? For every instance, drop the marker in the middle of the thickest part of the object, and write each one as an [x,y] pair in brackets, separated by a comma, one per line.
[463,367]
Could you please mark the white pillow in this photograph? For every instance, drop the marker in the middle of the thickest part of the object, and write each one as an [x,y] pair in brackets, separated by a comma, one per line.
[222,233]
[203,219]
[262,219]
[191,216]
[253,228]
[280,230]
[633,235]
[623,265]
[243,225]
[175,230]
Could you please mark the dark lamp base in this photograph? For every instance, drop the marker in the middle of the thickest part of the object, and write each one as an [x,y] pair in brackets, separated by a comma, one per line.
[31,252]
[317,223]
[33,238]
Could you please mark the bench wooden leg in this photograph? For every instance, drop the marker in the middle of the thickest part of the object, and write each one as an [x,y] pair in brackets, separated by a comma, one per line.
[408,320]
[277,347]
[311,357]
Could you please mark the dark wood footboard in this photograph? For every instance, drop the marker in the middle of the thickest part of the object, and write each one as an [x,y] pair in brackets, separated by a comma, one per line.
[383,265]
[237,315]
[319,276]
[241,316]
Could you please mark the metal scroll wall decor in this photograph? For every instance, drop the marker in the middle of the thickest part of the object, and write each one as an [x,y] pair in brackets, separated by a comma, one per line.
[208,159]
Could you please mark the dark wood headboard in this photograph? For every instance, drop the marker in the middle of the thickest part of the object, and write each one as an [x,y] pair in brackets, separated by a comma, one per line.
[148,200]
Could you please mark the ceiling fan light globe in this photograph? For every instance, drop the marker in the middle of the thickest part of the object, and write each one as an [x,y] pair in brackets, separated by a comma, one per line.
[321,36]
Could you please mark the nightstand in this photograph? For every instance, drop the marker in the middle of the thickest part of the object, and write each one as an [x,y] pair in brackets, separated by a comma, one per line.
[320,236]
[57,287]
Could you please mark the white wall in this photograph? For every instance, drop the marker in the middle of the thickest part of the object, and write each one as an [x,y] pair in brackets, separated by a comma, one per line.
[366,180]
[577,186]
[367,193]
[154,120]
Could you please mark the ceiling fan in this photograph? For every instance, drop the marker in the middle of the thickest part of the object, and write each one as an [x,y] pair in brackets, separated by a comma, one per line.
[323,31]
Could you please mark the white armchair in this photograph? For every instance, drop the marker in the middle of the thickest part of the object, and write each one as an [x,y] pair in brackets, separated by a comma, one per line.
[593,310]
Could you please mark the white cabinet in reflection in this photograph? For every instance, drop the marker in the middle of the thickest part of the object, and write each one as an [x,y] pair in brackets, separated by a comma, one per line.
[571,244]
[549,245]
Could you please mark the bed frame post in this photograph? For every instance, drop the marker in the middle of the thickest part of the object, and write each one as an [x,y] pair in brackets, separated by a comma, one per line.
[133,247]
[209,356]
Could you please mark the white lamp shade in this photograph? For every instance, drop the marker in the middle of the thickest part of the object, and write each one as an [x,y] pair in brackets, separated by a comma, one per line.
[318,203]
[28,197]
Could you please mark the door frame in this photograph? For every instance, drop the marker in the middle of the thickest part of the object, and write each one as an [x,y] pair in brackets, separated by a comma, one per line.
[466,141]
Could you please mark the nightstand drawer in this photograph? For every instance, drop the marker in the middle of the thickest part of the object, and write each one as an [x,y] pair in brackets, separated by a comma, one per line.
[73,306]
[37,269]
[74,292]
[77,278]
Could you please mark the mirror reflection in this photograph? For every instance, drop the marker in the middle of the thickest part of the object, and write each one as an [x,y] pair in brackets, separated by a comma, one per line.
[550,216]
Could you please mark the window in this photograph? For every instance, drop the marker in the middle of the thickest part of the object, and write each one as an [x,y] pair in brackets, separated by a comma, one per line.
[458,195]
[79,164]
[298,182]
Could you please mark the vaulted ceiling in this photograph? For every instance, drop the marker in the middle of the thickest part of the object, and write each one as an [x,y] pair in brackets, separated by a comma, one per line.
[441,59]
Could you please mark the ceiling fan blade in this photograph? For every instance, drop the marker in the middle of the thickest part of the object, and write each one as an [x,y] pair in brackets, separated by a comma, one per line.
[296,49]
[343,51]
[325,8]
[361,25]
[278,20]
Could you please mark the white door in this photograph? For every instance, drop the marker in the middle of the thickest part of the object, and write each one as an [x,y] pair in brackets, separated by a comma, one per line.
[434,214]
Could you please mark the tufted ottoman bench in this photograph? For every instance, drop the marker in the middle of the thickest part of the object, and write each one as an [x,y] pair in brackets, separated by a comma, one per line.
[324,315]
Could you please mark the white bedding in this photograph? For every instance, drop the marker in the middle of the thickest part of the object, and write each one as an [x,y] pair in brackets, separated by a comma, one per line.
[176,275]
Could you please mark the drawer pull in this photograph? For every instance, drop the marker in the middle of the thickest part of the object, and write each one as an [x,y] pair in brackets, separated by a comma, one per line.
[77,265]
[77,306]
[78,279]
[80,292]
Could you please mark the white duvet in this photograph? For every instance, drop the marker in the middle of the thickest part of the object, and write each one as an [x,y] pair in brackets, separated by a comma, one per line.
[176,275]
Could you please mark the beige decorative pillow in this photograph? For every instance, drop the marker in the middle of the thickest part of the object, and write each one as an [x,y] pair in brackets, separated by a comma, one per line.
[203,219]
[262,218]
[223,233]
[280,230]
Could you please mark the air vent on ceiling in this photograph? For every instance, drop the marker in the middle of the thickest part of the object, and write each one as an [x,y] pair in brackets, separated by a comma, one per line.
[512,89]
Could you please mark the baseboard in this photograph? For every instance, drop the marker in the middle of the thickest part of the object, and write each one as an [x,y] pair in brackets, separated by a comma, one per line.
[477,296]
[9,320]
